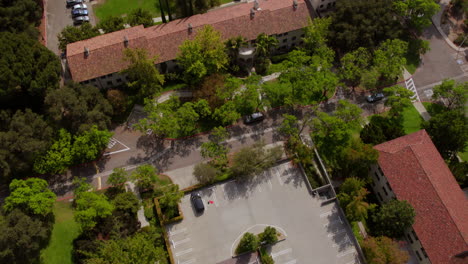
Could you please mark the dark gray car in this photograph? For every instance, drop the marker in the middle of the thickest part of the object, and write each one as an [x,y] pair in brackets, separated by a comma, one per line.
[197,202]
[71,3]
[253,118]
[375,97]
[80,20]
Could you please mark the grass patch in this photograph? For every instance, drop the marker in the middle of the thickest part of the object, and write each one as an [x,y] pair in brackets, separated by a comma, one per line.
[411,120]
[124,7]
[65,230]
[464,155]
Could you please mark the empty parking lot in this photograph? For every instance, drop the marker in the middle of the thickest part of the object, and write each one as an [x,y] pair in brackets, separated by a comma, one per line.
[278,197]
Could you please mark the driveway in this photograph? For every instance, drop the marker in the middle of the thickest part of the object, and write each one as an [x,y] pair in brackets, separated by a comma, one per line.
[58,17]
[277,197]
[437,64]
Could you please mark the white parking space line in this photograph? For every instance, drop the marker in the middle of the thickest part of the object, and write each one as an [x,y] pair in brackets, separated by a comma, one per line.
[215,199]
[271,185]
[175,232]
[178,254]
[117,151]
[190,261]
[259,188]
[278,176]
[180,242]
[282,252]
[351,251]
[291,262]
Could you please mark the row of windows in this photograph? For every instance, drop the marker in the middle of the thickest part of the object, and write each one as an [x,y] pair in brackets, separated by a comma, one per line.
[328,5]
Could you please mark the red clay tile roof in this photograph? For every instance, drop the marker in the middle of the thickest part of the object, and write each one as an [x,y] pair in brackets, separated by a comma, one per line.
[105,51]
[417,173]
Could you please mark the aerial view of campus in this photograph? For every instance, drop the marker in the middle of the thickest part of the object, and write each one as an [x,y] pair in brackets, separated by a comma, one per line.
[234,132]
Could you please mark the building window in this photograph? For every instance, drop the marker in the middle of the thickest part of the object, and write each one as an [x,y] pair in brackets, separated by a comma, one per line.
[279,35]
[109,83]
[119,80]
[377,176]
[286,33]
[293,38]
[410,239]
[388,186]
[334,3]
[414,234]
[424,252]
[285,40]
[302,35]
[103,77]
[419,256]
[86,82]
[283,47]
[380,170]
[385,191]
[302,42]
[321,6]
[109,75]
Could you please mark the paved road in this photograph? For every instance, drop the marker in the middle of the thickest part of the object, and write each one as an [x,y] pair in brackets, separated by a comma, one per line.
[437,64]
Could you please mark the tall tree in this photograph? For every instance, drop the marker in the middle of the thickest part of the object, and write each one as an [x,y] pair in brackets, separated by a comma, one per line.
[71,34]
[214,149]
[145,176]
[393,218]
[398,98]
[78,107]
[227,113]
[87,146]
[163,16]
[59,156]
[140,16]
[118,177]
[111,24]
[389,58]
[144,78]
[454,95]
[203,55]
[264,44]
[169,200]
[233,45]
[28,71]
[91,208]
[353,65]
[381,129]
[382,250]
[250,161]
[32,196]
[316,34]
[24,137]
[417,13]
[21,15]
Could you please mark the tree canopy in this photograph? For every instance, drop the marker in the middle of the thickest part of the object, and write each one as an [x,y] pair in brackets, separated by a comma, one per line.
[111,24]
[250,161]
[29,70]
[393,218]
[72,34]
[454,95]
[383,250]
[144,176]
[91,208]
[417,13]
[204,55]
[32,196]
[20,15]
[140,16]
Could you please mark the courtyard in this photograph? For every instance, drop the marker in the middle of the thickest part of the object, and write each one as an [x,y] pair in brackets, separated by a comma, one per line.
[279,197]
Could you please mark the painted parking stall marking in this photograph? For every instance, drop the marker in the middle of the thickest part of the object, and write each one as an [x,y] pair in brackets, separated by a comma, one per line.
[180,242]
[183,252]
[190,261]
[282,252]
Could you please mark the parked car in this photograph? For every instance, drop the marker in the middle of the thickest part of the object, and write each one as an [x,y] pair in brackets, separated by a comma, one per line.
[80,20]
[80,6]
[71,3]
[253,118]
[375,97]
[79,12]
[197,202]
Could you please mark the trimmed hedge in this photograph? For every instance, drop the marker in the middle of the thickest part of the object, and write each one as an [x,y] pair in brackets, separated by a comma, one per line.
[166,238]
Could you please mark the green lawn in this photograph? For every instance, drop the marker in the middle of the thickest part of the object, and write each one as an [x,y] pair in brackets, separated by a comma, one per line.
[411,120]
[64,231]
[124,7]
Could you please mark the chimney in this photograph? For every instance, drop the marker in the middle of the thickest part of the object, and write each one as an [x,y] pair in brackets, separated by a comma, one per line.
[252,13]
[190,28]
[295,4]
[125,41]
[86,52]
[256,5]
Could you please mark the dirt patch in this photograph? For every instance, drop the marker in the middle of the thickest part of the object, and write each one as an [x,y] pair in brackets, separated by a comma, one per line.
[453,22]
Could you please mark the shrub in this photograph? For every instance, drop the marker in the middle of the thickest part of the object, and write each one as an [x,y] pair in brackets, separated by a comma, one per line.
[269,236]
[459,40]
[248,242]
[266,259]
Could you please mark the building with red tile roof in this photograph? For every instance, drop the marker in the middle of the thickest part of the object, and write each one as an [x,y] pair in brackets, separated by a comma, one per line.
[410,168]
[98,59]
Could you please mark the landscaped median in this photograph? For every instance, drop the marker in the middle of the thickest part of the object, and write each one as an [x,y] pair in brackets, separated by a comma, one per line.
[250,242]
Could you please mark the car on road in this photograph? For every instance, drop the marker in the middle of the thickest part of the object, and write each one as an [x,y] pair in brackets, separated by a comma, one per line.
[80,6]
[253,118]
[80,20]
[197,202]
[375,97]
[71,3]
[79,12]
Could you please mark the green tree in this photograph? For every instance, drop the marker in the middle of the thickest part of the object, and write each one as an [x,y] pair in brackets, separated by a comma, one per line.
[227,113]
[449,132]
[233,45]
[140,16]
[382,250]
[28,71]
[111,24]
[417,13]
[90,209]
[24,137]
[357,159]
[390,59]
[205,173]
[72,34]
[118,177]
[316,34]
[203,55]
[170,199]
[119,102]
[268,236]
[263,47]
[20,15]
[89,145]
[144,78]
[214,149]
[145,176]
[289,127]
[22,237]
[453,95]
[248,100]
[353,65]
[137,249]
[350,189]
[362,23]
[381,129]
[250,161]
[32,196]
[393,218]
[126,202]
[277,93]
[59,156]
[248,242]
[357,209]
[398,98]
[209,90]
[77,108]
